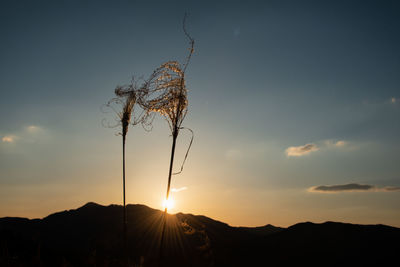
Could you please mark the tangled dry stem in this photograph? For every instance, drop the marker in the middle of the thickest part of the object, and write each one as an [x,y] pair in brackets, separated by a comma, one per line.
[165,91]
[125,107]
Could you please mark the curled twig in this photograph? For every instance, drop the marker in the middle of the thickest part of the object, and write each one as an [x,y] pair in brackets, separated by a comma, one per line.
[187,151]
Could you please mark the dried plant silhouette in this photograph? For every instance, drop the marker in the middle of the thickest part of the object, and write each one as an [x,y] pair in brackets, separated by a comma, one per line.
[125,100]
[165,93]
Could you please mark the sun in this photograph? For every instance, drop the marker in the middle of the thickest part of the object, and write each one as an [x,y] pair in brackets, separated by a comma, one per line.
[168,203]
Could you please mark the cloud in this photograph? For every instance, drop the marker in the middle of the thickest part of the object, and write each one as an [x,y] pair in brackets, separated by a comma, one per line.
[334,144]
[298,151]
[393,100]
[33,128]
[353,187]
[178,189]
[27,134]
[341,188]
[391,188]
[340,143]
[9,138]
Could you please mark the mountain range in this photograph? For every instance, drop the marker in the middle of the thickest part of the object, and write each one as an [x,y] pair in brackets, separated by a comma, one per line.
[92,235]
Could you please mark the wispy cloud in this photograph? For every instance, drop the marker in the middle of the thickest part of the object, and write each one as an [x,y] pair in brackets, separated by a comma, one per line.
[179,189]
[335,144]
[298,151]
[9,138]
[391,188]
[33,128]
[26,134]
[341,143]
[352,187]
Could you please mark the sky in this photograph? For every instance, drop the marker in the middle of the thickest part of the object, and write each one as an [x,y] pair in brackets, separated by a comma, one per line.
[295,108]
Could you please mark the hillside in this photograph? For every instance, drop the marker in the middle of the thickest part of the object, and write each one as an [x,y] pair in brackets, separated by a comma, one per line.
[92,236]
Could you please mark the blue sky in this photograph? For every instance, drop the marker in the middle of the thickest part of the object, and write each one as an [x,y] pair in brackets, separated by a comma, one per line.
[267,79]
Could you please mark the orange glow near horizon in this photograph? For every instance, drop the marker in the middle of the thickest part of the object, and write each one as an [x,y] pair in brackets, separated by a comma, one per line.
[168,203]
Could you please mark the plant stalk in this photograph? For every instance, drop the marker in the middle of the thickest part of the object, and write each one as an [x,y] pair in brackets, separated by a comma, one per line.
[164,219]
[171,164]
[123,186]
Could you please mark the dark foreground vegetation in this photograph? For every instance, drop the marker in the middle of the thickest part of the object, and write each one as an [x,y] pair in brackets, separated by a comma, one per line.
[92,236]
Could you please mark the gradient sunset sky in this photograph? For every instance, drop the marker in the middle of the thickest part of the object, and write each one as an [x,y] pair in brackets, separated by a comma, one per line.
[295,106]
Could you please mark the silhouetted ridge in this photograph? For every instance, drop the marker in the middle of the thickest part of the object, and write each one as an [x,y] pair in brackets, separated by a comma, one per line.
[90,205]
[262,230]
[92,235]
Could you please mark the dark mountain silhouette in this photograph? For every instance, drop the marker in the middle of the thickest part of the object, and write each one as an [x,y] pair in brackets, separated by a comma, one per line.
[92,236]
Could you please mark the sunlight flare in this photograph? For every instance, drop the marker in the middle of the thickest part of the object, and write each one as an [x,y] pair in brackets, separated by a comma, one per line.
[168,203]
